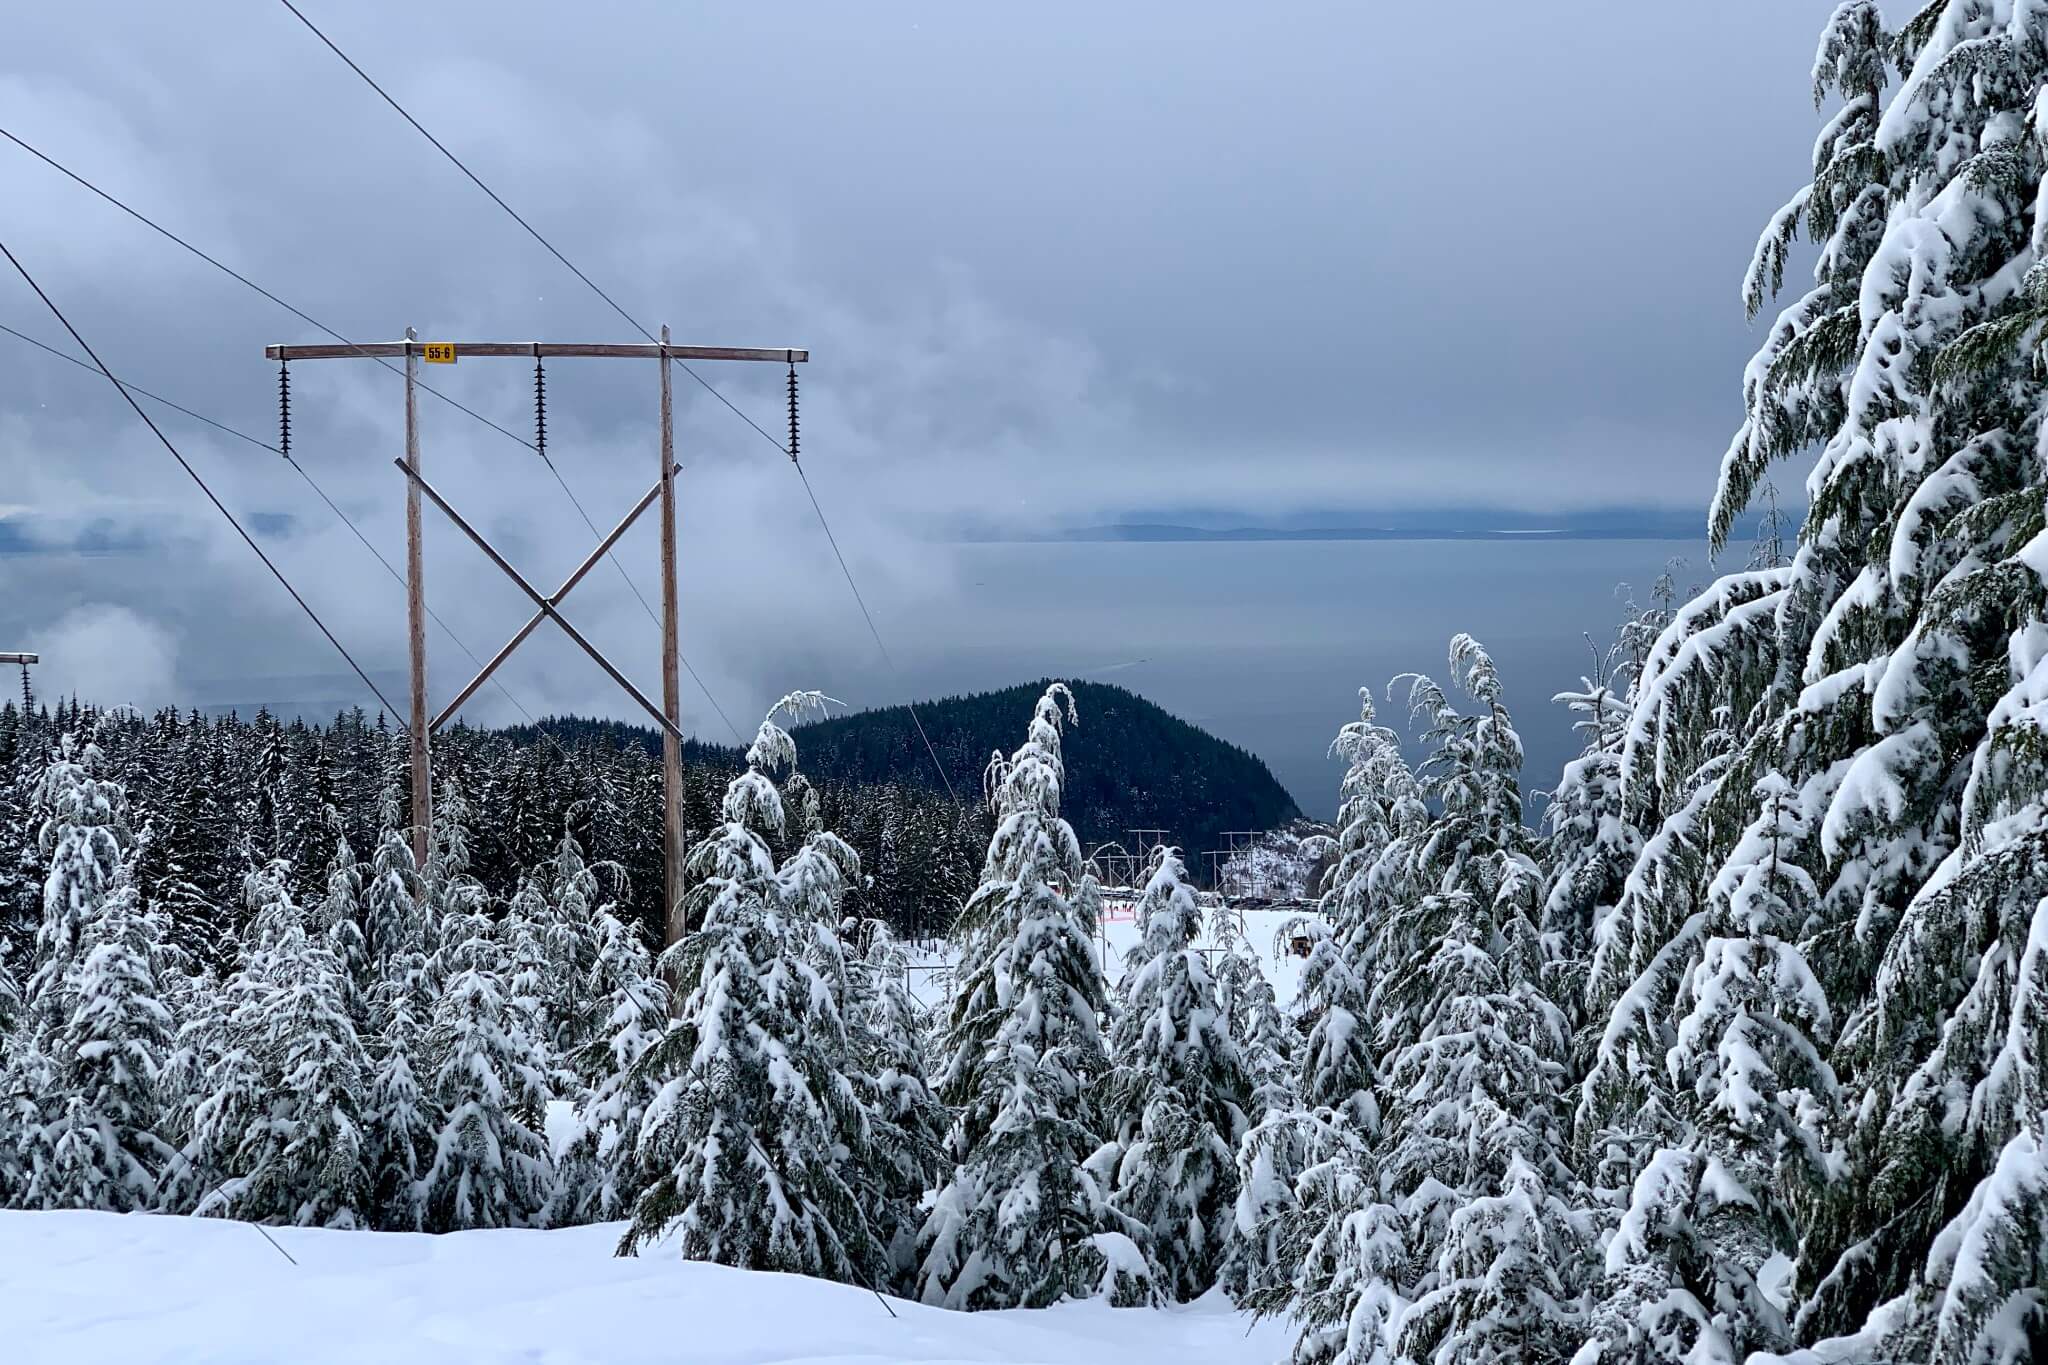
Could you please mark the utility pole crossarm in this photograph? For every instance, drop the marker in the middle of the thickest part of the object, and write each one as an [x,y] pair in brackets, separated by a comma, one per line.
[777,355]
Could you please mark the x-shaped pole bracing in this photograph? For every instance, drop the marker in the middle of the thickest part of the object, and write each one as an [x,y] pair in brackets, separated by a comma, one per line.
[547,608]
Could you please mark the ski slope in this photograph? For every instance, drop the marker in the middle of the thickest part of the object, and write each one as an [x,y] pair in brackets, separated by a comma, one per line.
[98,1286]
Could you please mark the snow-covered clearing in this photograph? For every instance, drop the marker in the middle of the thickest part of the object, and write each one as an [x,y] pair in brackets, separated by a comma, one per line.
[1258,928]
[99,1286]
[929,972]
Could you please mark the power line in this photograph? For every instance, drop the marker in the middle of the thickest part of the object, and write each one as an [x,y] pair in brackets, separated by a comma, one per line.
[240,278]
[187,467]
[137,388]
[516,217]
[637,326]
[332,506]
[537,726]
[862,602]
[421,130]
[314,322]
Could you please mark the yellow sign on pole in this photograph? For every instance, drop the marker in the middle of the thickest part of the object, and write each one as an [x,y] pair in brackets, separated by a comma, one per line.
[439,352]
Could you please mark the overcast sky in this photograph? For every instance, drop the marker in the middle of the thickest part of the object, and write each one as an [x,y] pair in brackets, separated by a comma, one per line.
[1055,263]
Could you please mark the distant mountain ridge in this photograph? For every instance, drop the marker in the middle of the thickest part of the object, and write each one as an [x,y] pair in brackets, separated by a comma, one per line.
[1155,532]
[1211,525]
[1130,763]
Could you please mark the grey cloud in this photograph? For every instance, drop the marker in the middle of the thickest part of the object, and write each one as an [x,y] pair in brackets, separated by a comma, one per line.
[1053,262]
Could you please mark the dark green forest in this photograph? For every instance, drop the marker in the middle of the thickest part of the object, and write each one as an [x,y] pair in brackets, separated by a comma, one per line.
[1130,763]
[216,797]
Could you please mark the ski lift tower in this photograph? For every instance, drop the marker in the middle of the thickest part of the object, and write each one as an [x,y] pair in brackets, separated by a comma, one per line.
[27,696]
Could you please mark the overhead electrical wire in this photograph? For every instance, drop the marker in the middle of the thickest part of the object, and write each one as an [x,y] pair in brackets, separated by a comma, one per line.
[637,326]
[194,474]
[314,322]
[862,603]
[538,727]
[240,278]
[300,470]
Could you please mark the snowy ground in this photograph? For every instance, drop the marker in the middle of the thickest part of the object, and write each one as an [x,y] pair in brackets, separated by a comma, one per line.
[930,972]
[77,1287]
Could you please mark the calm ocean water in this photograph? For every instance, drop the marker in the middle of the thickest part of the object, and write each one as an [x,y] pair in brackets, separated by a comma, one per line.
[1267,643]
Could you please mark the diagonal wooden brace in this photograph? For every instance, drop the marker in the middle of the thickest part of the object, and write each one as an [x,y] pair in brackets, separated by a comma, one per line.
[547,605]
[533,622]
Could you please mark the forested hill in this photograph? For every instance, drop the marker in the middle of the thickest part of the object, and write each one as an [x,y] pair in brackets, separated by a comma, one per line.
[1130,763]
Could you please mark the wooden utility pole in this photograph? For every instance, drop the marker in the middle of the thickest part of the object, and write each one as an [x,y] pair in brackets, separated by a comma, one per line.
[668,716]
[416,613]
[674,921]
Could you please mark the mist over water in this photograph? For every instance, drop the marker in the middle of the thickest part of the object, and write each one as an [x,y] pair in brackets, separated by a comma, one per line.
[1266,644]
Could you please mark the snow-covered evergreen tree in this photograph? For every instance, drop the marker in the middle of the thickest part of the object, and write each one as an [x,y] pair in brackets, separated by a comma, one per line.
[455,924]
[1885,677]
[339,923]
[1507,1279]
[218,1090]
[1979,1295]
[1473,1055]
[1022,1220]
[25,1076]
[1755,1098]
[1343,1247]
[532,979]
[10,994]
[320,1171]
[402,1122]
[1380,815]
[1662,1296]
[1336,1060]
[1179,1094]
[572,936]
[1253,1261]
[487,1081]
[282,1130]
[1592,836]
[754,1142]
[1251,1010]
[887,1031]
[85,1105]
[100,1144]
[600,1175]
[1458,988]
[83,836]
[1378,802]
[394,924]
[1470,1093]
[1301,1168]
